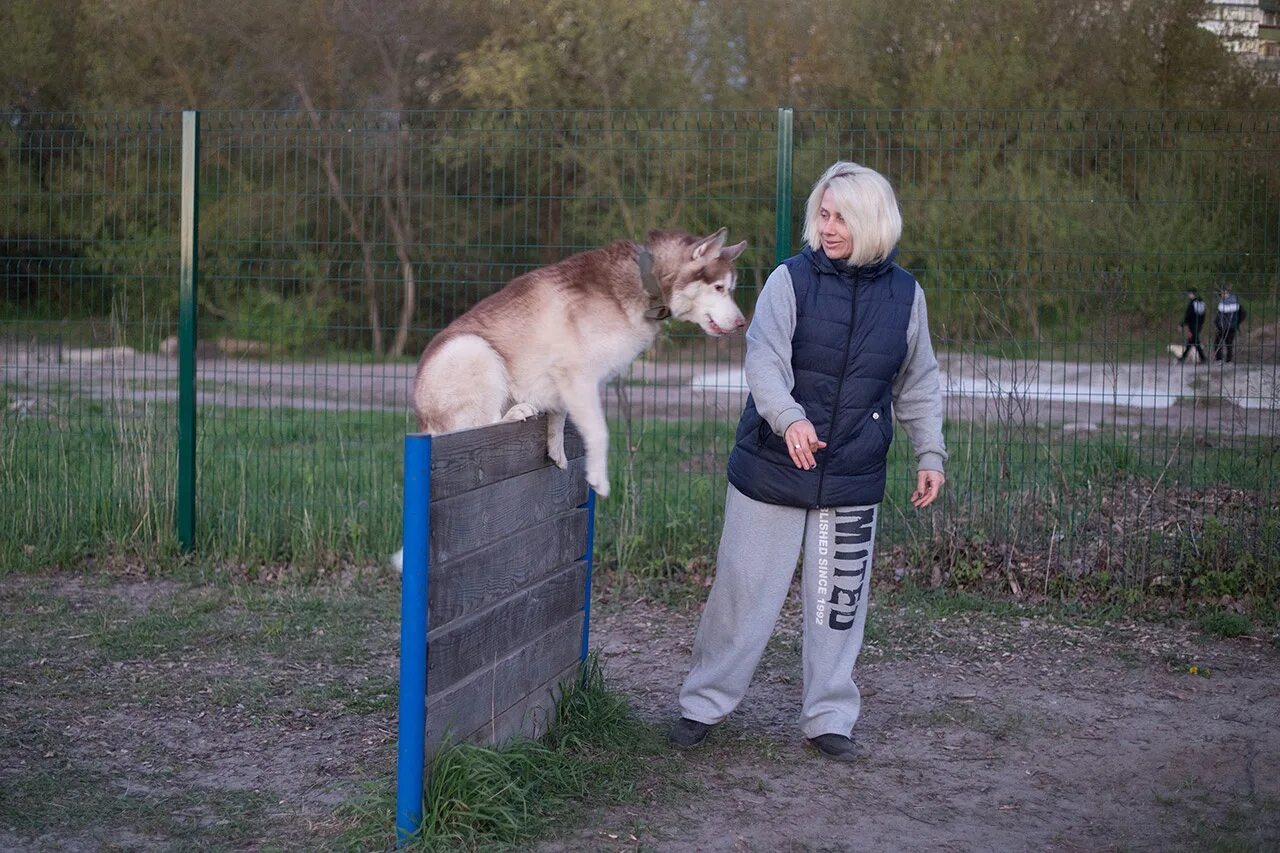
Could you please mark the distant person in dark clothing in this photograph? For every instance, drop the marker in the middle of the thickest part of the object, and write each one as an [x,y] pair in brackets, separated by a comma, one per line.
[1193,322]
[1227,323]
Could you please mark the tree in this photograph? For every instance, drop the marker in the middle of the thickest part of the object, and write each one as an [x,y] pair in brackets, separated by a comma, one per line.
[42,67]
[582,53]
[314,57]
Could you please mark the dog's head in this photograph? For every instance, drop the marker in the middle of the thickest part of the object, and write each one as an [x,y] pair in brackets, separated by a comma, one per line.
[699,282]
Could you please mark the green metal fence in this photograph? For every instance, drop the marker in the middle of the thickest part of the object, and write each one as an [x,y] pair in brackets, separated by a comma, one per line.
[1054,248]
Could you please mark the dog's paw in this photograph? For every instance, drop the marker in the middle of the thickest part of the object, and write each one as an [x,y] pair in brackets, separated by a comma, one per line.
[520,412]
[555,440]
[600,484]
[556,453]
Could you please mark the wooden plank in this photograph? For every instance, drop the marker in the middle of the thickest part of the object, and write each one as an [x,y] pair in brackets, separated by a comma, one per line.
[470,459]
[531,716]
[467,645]
[472,705]
[466,584]
[478,518]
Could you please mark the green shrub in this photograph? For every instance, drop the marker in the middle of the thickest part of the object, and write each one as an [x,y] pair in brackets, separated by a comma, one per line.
[1225,623]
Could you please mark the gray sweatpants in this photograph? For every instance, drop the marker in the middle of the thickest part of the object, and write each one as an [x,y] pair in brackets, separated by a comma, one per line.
[756,561]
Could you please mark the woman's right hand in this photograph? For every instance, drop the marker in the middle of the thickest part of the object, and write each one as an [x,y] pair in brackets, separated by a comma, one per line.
[802,443]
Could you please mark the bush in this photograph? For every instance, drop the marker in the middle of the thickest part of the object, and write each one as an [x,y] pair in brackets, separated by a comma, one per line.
[1225,623]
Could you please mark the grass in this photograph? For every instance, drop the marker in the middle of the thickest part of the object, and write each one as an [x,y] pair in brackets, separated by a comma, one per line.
[272,485]
[84,802]
[316,490]
[1077,501]
[148,714]
[1223,623]
[1087,349]
[480,798]
[109,676]
[979,717]
[907,618]
[1247,826]
[132,714]
[305,625]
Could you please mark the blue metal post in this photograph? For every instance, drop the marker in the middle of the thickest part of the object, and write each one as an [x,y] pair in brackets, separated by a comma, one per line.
[591,544]
[413,636]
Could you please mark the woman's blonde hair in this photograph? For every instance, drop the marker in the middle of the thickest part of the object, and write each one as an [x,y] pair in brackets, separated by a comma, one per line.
[866,202]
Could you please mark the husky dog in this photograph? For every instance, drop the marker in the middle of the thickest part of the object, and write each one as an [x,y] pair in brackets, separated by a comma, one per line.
[549,339]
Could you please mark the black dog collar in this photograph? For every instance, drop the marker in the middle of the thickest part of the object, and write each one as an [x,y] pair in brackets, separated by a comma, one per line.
[658,309]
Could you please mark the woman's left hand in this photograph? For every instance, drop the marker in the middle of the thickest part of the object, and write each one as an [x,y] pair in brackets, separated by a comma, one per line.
[928,487]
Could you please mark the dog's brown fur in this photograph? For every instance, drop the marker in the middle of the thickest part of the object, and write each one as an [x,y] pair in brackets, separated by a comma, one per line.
[549,339]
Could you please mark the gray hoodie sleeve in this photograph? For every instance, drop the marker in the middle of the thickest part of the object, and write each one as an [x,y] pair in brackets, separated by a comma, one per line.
[917,394]
[767,366]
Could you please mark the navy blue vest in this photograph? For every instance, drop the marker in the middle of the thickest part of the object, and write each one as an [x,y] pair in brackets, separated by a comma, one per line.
[850,341]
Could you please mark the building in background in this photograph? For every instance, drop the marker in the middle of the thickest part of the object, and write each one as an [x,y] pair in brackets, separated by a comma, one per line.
[1251,29]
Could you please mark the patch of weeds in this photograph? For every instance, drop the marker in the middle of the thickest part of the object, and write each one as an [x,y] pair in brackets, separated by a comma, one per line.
[29,616]
[91,650]
[1226,623]
[166,628]
[484,798]
[478,796]
[308,625]
[1129,657]
[1265,616]
[932,604]
[41,799]
[1121,599]
[1112,457]
[997,726]
[749,741]
[1174,662]
[1218,564]
[1246,824]
[874,633]
[249,694]
[1109,609]
[782,652]
[966,573]
[80,799]
[376,695]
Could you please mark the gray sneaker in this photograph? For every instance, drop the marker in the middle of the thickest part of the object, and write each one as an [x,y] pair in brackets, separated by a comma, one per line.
[687,733]
[836,747]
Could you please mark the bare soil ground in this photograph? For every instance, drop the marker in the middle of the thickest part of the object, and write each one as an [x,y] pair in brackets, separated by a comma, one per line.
[980,731]
[146,714]
[153,715]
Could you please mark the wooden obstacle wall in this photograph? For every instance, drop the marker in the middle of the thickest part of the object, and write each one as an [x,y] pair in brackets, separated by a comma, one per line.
[507,580]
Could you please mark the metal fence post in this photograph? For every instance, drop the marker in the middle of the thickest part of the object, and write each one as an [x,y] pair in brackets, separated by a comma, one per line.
[589,557]
[188,279]
[411,751]
[782,207]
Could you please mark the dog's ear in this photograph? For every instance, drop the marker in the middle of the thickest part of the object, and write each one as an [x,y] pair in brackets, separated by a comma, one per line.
[710,245]
[730,253]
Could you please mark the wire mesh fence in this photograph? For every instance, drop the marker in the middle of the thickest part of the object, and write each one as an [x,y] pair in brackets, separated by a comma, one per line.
[1055,249]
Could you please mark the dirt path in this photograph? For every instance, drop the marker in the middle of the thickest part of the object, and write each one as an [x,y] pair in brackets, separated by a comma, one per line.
[980,732]
[706,382]
[153,715]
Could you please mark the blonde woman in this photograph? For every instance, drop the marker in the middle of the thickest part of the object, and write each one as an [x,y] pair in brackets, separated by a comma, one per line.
[837,349]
